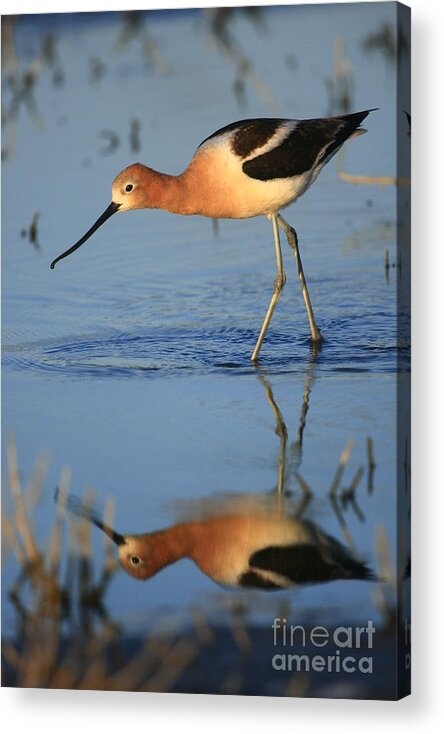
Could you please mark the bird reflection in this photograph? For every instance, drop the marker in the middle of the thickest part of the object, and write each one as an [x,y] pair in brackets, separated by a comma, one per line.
[245,542]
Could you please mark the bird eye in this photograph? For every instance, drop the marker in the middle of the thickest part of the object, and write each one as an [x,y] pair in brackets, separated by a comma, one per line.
[135,560]
[129,187]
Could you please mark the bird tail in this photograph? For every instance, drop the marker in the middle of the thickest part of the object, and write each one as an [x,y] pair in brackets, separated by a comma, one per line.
[353,123]
[359,131]
[344,128]
[365,572]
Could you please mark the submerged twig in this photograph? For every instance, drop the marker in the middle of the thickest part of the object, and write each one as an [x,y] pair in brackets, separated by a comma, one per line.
[374,180]
[343,461]
[371,465]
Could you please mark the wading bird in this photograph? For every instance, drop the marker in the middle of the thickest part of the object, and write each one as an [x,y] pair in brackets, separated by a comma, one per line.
[242,543]
[245,169]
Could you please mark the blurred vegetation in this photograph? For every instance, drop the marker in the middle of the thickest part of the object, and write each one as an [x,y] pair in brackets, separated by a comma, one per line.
[20,79]
[384,41]
[220,29]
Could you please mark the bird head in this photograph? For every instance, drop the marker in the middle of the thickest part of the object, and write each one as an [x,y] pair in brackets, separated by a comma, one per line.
[131,187]
[136,558]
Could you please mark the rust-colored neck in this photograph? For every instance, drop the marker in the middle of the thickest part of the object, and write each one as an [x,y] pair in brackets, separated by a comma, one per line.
[168,546]
[173,194]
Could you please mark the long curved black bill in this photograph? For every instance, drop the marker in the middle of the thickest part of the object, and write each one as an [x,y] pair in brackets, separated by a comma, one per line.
[112,209]
[78,508]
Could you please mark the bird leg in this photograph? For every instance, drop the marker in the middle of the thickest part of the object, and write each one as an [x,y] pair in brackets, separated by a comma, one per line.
[282,432]
[306,496]
[278,288]
[293,242]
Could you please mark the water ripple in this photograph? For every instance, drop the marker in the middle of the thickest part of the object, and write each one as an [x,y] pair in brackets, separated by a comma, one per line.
[195,350]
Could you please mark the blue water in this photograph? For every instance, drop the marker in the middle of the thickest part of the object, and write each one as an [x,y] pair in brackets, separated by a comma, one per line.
[130,362]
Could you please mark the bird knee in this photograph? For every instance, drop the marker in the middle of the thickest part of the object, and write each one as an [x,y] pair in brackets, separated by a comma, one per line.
[292,237]
[280,281]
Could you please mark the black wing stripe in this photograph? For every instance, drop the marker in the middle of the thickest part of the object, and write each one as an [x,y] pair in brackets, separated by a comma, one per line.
[304,563]
[301,149]
[250,135]
[253,580]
